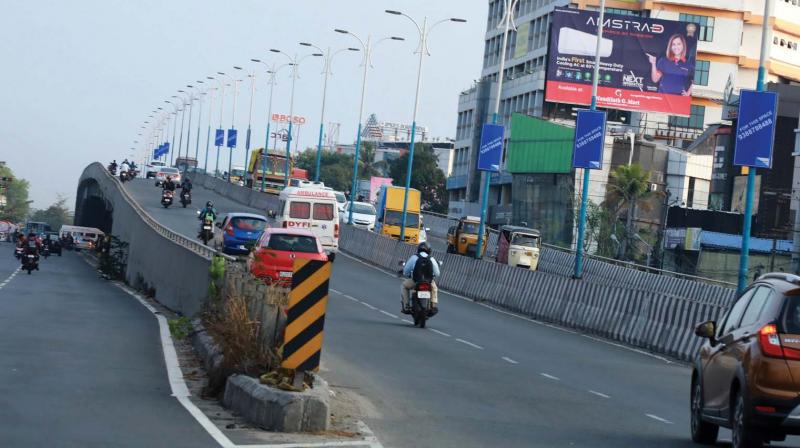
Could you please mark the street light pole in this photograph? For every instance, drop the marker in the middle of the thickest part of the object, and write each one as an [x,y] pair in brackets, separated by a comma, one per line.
[208,134]
[252,76]
[424,33]
[326,72]
[174,131]
[189,126]
[180,136]
[235,83]
[295,65]
[199,125]
[367,48]
[272,70]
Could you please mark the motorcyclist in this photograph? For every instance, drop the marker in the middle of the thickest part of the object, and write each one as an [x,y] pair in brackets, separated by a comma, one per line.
[169,184]
[33,245]
[124,167]
[112,167]
[186,185]
[207,212]
[423,251]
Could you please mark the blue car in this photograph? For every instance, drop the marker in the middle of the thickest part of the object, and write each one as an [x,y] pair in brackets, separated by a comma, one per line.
[238,232]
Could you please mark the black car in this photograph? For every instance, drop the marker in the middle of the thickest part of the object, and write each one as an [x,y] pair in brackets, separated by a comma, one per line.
[54,242]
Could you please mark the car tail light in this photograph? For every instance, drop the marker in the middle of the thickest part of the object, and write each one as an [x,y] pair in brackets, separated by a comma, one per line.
[336,230]
[766,409]
[423,287]
[770,342]
[229,229]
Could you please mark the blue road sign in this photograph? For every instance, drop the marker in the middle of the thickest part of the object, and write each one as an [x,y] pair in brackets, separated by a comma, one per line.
[491,150]
[166,148]
[755,128]
[590,132]
[156,153]
[231,138]
[219,137]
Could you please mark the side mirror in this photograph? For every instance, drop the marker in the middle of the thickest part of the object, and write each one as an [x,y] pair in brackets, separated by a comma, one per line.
[706,330]
[218,225]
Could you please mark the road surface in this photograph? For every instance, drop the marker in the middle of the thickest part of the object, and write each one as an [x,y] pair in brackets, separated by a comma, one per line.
[81,363]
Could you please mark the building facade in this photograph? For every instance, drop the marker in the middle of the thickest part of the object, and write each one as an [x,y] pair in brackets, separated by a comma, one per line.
[729,34]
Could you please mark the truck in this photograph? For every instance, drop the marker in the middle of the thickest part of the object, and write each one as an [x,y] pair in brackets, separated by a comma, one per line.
[390,213]
[185,163]
[275,174]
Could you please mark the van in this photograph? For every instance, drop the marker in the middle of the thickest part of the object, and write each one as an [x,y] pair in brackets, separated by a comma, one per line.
[84,237]
[311,207]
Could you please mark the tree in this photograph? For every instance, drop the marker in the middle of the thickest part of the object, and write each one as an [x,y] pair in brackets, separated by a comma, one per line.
[629,189]
[335,169]
[16,205]
[425,177]
[56,215]
[367,166]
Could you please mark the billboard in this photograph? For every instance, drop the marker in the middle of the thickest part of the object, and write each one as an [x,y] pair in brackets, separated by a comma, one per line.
[645,64]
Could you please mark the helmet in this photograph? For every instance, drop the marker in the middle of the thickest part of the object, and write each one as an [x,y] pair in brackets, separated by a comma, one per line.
[209,204]
[424,247]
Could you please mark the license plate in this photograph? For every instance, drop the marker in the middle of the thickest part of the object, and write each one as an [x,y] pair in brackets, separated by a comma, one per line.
[424,294]
[285,274]
[206,227]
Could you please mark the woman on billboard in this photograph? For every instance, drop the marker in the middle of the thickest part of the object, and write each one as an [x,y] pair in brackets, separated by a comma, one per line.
[674,72]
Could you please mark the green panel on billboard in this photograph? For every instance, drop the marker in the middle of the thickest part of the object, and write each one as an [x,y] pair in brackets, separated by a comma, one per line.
[522,40]
[539,146]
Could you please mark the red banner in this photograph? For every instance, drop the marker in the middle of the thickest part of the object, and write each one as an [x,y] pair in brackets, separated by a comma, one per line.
[612,98]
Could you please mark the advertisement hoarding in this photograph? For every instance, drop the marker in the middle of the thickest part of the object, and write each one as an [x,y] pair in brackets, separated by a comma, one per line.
[491,150]
[755,129]
[645,64]
[297,120]
[590,133]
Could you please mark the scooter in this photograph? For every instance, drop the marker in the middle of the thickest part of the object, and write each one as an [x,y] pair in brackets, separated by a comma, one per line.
[123,176]
[186,197]
[166,198]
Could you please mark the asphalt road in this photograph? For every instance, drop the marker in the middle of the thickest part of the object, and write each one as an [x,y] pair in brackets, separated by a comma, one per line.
[81,364]
[478,377]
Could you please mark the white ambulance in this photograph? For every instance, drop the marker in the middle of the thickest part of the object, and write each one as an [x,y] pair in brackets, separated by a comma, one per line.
[312,207]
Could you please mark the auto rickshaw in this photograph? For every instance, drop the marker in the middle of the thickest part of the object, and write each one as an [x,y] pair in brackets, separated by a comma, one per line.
[462,238]
[519,247]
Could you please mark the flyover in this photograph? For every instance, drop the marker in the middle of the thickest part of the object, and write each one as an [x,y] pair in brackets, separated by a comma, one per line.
[477,376]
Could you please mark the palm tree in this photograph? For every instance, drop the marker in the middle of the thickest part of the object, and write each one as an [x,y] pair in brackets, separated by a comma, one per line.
[368,166]
[630,186]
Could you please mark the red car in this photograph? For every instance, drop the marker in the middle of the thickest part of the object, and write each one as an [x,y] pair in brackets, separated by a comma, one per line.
[276,250]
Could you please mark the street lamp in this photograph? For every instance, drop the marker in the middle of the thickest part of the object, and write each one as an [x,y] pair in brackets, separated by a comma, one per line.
[295,63]
[183,116]
[189,126]
[221,86]
[208,133]
[252,76]
[199,123]
[367,48]
[424,33]
[235,83]
[272,70]
[326,72]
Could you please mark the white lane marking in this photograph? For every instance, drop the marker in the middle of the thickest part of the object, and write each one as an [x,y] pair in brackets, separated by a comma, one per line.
[181,392]
[368,305]
[550,377]
[509,360]
[393,316]
[657,418]
[599,394]
[10,277]
[469,343]
[525,318]
[439,332]
[346,296]
[407,321]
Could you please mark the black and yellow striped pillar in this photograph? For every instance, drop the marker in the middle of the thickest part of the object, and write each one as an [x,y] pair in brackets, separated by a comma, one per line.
[308,300]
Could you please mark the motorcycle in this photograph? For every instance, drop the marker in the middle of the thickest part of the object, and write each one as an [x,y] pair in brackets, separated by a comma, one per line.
[422,307]
[123,176]
[166,198]
[46,251]
[112,170]
[30,263]
[133,173]
[186,197]
[207,231]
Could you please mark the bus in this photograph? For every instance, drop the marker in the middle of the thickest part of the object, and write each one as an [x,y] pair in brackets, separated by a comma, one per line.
[38,228]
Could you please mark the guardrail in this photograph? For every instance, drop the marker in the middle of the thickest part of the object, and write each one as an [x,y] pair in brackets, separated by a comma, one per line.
[650,319]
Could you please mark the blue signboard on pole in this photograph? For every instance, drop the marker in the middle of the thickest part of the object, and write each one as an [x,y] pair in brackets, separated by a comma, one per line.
[755,128]
[166,148]
[231,138]
[590,132]
[219,137]
[491,150]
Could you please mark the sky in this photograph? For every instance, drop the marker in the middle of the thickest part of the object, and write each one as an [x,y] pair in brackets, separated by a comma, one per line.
[79,78]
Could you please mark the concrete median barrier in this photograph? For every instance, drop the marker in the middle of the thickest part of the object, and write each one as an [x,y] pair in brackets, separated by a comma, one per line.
[645,317]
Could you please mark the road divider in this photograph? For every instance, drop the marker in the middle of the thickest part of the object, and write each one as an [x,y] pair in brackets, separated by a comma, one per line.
[649,319]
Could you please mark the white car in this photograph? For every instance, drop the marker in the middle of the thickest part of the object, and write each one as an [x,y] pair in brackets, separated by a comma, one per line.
[363,215]
[151,168]
[341,200]
[164,171]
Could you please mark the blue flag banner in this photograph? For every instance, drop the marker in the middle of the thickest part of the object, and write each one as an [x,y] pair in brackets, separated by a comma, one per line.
[491,149]
[231,138]
[219,137]
[755,128]
[590,132]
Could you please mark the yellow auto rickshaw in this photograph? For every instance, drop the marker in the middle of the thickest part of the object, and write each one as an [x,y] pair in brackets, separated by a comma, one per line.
[519,247]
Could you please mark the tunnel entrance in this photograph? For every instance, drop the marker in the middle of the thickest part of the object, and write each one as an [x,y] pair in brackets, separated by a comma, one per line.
[91,209]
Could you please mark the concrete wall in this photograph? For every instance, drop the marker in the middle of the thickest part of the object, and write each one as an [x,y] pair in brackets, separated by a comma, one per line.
[656,321]
[246,196]
[174,265]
